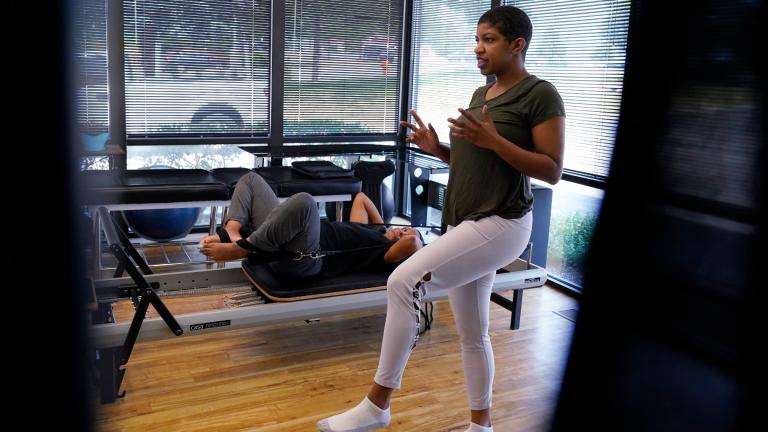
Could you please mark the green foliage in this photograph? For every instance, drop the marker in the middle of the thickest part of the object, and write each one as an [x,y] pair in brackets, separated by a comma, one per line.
[351,24]
[570,237]
[198,156]
[322,127]
[94,163]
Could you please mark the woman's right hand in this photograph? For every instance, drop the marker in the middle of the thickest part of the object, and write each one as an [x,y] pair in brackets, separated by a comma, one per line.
[423,136]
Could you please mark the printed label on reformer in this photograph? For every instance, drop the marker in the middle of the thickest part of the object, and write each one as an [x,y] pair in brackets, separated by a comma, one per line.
[209,325]
[529,280]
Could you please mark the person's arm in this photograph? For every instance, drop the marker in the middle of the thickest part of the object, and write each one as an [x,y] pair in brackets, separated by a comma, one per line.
[364,211]
[426,139]
[402,249]
[544,163]
[443,152]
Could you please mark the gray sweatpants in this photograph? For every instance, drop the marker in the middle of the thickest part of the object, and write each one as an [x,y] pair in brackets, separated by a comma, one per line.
[293,225]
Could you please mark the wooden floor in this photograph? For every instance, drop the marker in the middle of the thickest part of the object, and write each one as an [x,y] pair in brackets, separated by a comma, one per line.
[286,377]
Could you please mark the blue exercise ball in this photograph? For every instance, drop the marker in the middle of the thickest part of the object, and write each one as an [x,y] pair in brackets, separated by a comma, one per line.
[162,224]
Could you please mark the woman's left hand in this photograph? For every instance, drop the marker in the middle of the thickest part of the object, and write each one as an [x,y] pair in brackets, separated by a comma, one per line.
[481,133]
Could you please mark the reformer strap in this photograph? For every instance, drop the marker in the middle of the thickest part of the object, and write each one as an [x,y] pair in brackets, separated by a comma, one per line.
[223,235]
[257,256]
[245,244]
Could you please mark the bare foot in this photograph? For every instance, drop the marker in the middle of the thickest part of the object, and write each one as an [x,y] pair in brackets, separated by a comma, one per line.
[223,251]
[210,239]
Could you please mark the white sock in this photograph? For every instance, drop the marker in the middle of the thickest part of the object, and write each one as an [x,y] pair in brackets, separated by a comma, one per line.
[364,417]
[474,427]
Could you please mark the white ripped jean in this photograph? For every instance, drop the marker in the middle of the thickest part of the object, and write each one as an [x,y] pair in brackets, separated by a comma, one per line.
[464,261]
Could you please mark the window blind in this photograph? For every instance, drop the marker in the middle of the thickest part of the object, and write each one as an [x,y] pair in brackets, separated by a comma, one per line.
[444,68]
[342,64]
[91,62]
[580,47]
[197,68]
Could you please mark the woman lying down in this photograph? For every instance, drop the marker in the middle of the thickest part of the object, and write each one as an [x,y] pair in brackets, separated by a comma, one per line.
[258,224]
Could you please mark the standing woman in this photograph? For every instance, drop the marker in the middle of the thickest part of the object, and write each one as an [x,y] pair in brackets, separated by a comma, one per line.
[512,130]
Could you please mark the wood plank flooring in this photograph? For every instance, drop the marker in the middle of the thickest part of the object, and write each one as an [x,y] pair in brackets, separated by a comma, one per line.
[285,377]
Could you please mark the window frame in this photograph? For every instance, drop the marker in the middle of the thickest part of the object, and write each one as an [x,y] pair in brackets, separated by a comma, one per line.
[275,140]
[275,137]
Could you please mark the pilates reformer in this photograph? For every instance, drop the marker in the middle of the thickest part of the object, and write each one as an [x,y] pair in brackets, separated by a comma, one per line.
[261,299]
[185,188]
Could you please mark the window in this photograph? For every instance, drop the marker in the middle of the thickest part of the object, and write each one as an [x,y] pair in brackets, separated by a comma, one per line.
[444,68]
[196,68]
[575,210]
[342,67]
[91,62]
[444,75]
[580,47]
[92,90]
[200,70]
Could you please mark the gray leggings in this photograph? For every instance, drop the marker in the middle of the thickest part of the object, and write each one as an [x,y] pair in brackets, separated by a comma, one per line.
[293,225]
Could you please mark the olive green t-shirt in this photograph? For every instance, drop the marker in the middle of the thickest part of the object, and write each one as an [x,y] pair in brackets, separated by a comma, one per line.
[481,183]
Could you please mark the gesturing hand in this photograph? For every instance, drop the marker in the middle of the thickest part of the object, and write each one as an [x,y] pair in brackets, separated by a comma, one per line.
[480,133]
[423,136]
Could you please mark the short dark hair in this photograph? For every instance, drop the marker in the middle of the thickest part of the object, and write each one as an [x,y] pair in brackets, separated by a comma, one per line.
[511,22]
